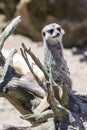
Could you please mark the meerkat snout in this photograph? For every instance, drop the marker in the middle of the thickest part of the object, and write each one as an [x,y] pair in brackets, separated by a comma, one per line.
[52,33]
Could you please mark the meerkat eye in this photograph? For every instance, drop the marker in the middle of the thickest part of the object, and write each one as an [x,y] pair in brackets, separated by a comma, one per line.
[59,29]
[51,31]
[43,34]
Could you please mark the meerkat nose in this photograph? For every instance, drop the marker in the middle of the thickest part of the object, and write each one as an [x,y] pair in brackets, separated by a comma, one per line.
[56,31]
[58,34]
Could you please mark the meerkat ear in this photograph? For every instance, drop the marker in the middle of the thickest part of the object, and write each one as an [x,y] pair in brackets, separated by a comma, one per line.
[62,31]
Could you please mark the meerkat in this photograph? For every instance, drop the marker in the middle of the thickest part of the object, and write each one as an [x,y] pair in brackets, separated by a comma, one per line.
[53,54]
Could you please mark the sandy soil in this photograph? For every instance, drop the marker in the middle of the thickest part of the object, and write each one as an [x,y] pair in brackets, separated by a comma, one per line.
[77,62]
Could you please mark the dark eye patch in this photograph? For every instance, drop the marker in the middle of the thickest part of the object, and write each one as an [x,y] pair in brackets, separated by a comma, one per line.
[59,29]
[43,34]
[51,31]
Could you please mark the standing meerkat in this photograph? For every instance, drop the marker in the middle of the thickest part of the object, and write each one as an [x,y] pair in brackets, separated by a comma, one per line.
[53,54]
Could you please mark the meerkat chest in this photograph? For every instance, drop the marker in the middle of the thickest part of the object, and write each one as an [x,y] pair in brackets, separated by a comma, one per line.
[53,60]
[48,60]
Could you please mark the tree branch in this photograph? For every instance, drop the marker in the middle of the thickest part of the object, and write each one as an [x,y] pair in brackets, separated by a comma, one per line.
[36,60]
[8,31]
[27,62]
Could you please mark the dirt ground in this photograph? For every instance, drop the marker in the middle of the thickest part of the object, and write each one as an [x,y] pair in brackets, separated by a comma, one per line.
[76,60]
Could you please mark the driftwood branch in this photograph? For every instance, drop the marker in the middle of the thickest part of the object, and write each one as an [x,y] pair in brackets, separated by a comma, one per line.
[24,93]
[49,105]
[8,31]
[31,69]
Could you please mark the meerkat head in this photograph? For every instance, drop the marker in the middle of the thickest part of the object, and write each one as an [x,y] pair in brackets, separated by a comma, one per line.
[52,33]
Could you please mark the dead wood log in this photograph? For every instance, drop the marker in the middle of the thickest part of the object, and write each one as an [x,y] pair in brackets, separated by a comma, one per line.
[65,109]
[24,93]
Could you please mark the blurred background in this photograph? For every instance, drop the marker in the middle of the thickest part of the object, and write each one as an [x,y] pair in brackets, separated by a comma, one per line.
[70,14]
